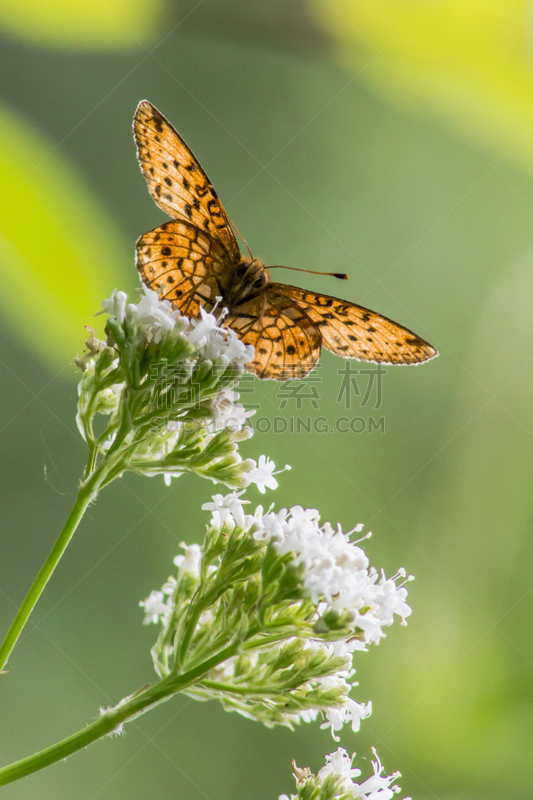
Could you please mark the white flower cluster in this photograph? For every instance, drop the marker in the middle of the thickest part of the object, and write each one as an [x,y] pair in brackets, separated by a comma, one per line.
[159,605]
[339,768]
[210,350]
[157,317]
[335,576]
[336,571]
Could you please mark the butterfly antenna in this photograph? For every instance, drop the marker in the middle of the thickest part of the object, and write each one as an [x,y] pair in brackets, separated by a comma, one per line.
[342,276]
[242,237]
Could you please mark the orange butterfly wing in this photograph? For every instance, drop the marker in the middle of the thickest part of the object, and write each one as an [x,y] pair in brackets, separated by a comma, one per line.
[286,342]
[176,180]
[183,265]
[352,331]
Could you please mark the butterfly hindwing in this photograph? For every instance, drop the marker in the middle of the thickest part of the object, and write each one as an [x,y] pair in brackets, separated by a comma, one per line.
[352,331]
[286,342]
[176,180]
[184,265]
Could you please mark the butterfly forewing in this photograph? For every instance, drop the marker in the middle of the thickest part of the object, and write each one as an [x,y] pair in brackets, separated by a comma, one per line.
[183,265]
[176,180]
[286,342]
[352,331]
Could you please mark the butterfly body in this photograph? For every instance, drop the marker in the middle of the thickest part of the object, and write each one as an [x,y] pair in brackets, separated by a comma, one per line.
[249,280]
[194,261]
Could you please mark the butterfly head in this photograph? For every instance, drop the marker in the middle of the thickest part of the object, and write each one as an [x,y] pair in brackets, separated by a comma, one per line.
[250,278]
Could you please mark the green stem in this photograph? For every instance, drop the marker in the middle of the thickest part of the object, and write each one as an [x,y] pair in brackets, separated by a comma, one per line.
[188,634]
[93,454]
[232,688]
[107,723]
[198,605]
[110,720]
[86,493]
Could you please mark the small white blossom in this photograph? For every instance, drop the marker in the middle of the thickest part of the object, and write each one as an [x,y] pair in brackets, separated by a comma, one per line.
[170,586]
[115,306]
[202,328]
[377,787]
[224,346]
[155,608]
[156,315]
[262,474]
[227,412]
[350,712]
[190,561]
[306,715]
[226,509]
[339,765]
[392,597]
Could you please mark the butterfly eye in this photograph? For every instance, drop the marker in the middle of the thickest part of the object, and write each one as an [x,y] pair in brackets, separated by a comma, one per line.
[260,281]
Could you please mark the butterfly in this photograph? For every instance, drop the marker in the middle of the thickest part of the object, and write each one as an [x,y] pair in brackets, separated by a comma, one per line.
[194,261]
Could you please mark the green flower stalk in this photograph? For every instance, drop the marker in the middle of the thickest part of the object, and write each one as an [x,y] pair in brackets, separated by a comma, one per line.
[265,617]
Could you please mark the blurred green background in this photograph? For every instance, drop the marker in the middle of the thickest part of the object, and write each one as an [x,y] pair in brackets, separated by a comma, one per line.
[389,140]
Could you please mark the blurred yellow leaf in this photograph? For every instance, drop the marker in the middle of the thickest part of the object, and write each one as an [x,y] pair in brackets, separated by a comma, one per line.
[91,24]
[468,61]
[59,254]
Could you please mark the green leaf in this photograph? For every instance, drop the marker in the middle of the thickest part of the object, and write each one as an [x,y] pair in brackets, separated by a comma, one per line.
[59,253]
[90,24]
